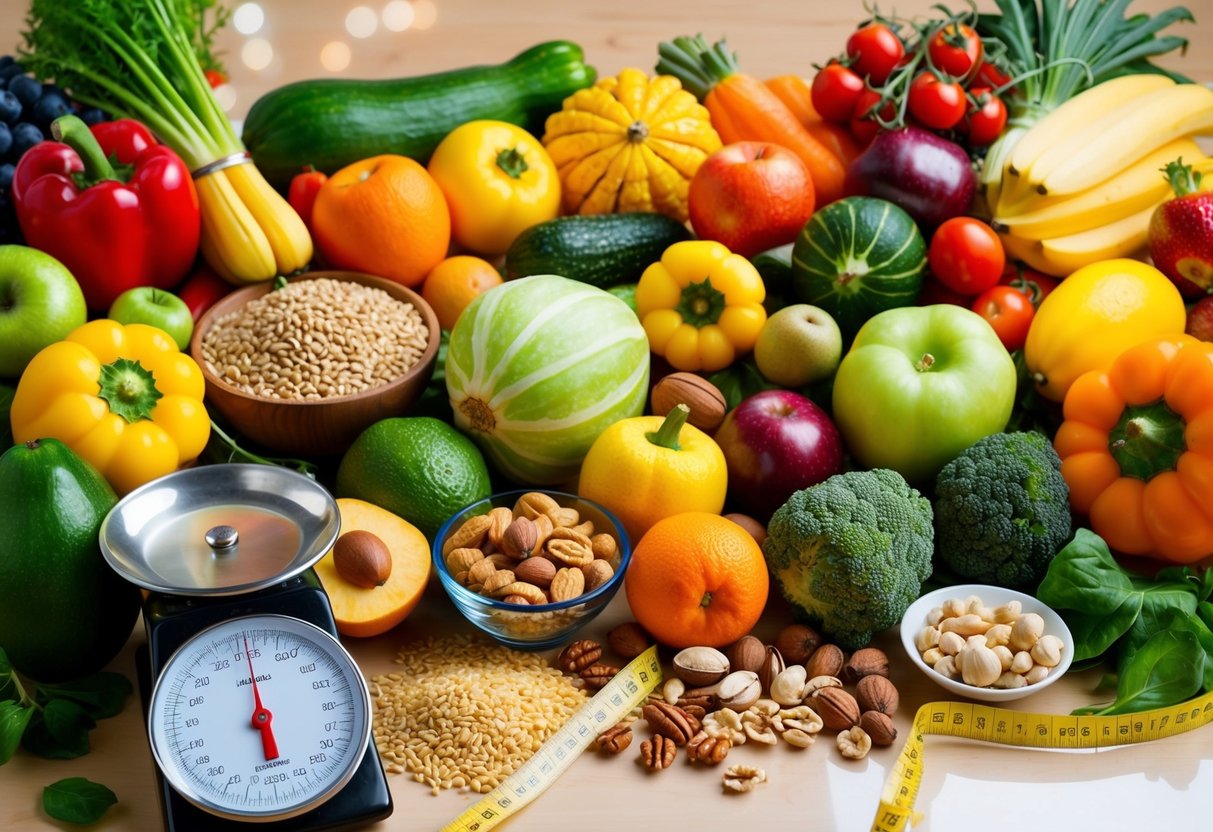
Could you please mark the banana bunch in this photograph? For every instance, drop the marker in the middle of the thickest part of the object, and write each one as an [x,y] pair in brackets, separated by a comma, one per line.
[1081,184]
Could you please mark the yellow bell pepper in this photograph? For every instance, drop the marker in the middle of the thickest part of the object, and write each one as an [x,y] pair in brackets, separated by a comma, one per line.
[645,469]
[498,181]
[123,397]
[701,305]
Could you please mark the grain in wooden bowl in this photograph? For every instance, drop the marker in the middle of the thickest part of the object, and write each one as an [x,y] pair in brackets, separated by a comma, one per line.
[304,369]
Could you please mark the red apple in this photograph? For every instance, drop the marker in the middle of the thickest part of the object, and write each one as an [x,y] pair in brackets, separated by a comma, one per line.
[1200,319]
[751,196]
[775,443]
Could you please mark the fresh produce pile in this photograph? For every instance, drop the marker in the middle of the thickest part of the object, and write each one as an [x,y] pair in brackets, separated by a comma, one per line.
[937,310]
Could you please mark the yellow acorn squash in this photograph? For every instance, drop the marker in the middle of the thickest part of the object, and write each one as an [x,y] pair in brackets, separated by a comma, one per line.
[629,143]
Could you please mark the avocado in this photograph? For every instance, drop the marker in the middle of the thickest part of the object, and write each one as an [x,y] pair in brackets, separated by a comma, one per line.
[64,612]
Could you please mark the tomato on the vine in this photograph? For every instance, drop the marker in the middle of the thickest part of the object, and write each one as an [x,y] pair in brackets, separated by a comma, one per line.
[834,91]
[215,78]
[864,126]
[875,51]
[966,255]
[988,75]
[1009,312]
[938,104]
[985,122]
[956,49]
[1032,283]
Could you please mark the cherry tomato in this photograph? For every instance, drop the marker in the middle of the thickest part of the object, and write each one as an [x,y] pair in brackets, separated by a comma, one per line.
[956,50]
[834,90]
[985,122]
[215,78]
[875,50]
[966,255]
[302,193]
[1032,283]
[864,126]
[1010,313]
[988,75]
[938,104]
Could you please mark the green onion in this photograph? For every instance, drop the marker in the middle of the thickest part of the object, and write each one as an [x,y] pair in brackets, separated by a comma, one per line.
[1055,49]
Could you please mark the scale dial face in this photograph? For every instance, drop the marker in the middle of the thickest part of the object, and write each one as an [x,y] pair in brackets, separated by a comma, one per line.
[265,743]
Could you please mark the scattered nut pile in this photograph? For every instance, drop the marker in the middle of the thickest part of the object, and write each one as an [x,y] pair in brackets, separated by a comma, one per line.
[537,552]
[315,339]
[782,693]
[1002,648]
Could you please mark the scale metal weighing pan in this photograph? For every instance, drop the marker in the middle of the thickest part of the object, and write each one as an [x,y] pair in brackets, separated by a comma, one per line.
[217,546]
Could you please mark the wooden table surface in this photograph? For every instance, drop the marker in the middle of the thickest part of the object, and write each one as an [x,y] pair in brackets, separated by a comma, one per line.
[967,786]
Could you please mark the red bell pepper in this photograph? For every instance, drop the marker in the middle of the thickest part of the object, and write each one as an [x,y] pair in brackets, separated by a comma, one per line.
[115,207]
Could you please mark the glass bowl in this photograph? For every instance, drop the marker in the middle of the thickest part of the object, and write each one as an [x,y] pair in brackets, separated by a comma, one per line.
[538,626]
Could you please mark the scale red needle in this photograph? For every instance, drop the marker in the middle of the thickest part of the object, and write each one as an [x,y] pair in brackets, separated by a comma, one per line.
[262,718]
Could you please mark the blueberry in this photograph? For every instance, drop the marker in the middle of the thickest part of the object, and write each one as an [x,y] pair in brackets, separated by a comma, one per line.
[93,115]
[49,107]
[10,108]
[26,89]
[6,138]
[25,136]
[11,71]
[6,176]
[6,60]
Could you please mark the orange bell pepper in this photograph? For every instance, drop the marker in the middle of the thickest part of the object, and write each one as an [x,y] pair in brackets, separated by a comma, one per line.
[1136,449]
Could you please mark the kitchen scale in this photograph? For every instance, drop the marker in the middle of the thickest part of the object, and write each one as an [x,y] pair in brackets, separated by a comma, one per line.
[256,715]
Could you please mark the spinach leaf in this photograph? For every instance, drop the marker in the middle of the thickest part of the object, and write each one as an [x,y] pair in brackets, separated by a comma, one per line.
[1095,634]
[59,731]
[77,800]
[101,695]
[1204,611]
[1166,670]
[13,718]
[1084,577]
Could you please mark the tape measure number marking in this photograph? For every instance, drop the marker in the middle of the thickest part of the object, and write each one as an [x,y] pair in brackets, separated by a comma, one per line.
[627,689]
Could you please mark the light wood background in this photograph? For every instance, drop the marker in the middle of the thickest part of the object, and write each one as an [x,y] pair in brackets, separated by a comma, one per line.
[1167,784]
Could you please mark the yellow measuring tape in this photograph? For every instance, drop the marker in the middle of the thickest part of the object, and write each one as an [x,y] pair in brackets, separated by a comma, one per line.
[999,725]
[625,691]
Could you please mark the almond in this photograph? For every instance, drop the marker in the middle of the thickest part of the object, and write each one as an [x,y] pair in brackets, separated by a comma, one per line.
[362,559]
[537,571]
[706,402]
[519,539]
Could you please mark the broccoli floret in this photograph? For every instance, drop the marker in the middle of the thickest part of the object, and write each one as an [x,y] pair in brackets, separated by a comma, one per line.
[1002,510]
[852,552]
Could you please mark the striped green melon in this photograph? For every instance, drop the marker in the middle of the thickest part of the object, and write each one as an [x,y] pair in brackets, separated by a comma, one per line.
[856,257]
[538,367]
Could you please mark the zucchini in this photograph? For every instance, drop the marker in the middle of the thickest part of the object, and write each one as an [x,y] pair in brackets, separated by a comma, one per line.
[602,250]
[330,123]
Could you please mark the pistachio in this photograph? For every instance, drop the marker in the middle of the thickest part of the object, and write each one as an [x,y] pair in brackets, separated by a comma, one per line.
[787,688]
[739,690]
[701,666]
[772,665]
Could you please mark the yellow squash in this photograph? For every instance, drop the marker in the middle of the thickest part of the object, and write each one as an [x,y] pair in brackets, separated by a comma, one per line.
[122,397]
[630,143]
[1093,316]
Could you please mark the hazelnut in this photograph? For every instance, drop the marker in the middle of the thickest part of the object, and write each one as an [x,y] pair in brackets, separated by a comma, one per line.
[879,727]
[362,559]
[877,693]
[705,401]
[629,640]
[796,643]
[868,661]
[747,654]
[827,660]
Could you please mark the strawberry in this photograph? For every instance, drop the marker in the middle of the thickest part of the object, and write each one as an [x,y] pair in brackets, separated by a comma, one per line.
[1200,319]
[1181,232]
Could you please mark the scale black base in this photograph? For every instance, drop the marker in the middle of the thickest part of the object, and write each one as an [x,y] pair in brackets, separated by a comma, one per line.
[171,620]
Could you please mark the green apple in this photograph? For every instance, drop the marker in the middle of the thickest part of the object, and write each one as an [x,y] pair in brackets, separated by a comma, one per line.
[919,385]
[40,303]
[798,345]
[155,307]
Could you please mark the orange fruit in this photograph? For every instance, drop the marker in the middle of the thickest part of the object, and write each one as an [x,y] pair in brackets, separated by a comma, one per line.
[385,216]
[697,579]
[454,283]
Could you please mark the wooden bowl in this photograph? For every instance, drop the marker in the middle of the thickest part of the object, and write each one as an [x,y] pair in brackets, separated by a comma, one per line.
[315,427]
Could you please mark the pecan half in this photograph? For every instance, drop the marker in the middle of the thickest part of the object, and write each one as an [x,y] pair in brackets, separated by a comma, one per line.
[670,721]
[708,750]
[579,655]
[658,753]
[615,739]
[596,676]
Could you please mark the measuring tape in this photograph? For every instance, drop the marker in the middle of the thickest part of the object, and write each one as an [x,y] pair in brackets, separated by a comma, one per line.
[627,689]
[999,725]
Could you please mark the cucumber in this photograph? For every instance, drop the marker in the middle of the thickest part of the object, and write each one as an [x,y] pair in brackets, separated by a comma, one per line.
[602,250]
[856,257]
[332,122]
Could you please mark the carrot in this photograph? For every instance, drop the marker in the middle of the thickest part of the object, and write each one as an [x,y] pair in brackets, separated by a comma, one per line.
[797,95]
[746,108]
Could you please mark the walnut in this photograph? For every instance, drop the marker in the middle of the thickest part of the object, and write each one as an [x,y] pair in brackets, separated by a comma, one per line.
[670,721]
[827,660]
[615,739]
[869,661]
[796,643]
[658,753]
[742,778]
[837,708]
[725,723]
[579,655]
[879,727]
[854,743]
[708,750]
[876,693]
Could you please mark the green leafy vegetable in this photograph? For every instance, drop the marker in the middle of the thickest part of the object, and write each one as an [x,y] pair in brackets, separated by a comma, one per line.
[221,447]
[1167,669]
[54,720]
[1055,49]
[77,800]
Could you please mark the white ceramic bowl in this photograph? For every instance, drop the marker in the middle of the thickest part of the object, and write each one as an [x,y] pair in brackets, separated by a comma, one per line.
[916,618]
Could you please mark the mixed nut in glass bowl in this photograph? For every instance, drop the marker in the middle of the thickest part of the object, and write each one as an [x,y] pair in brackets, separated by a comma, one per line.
[530,568]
